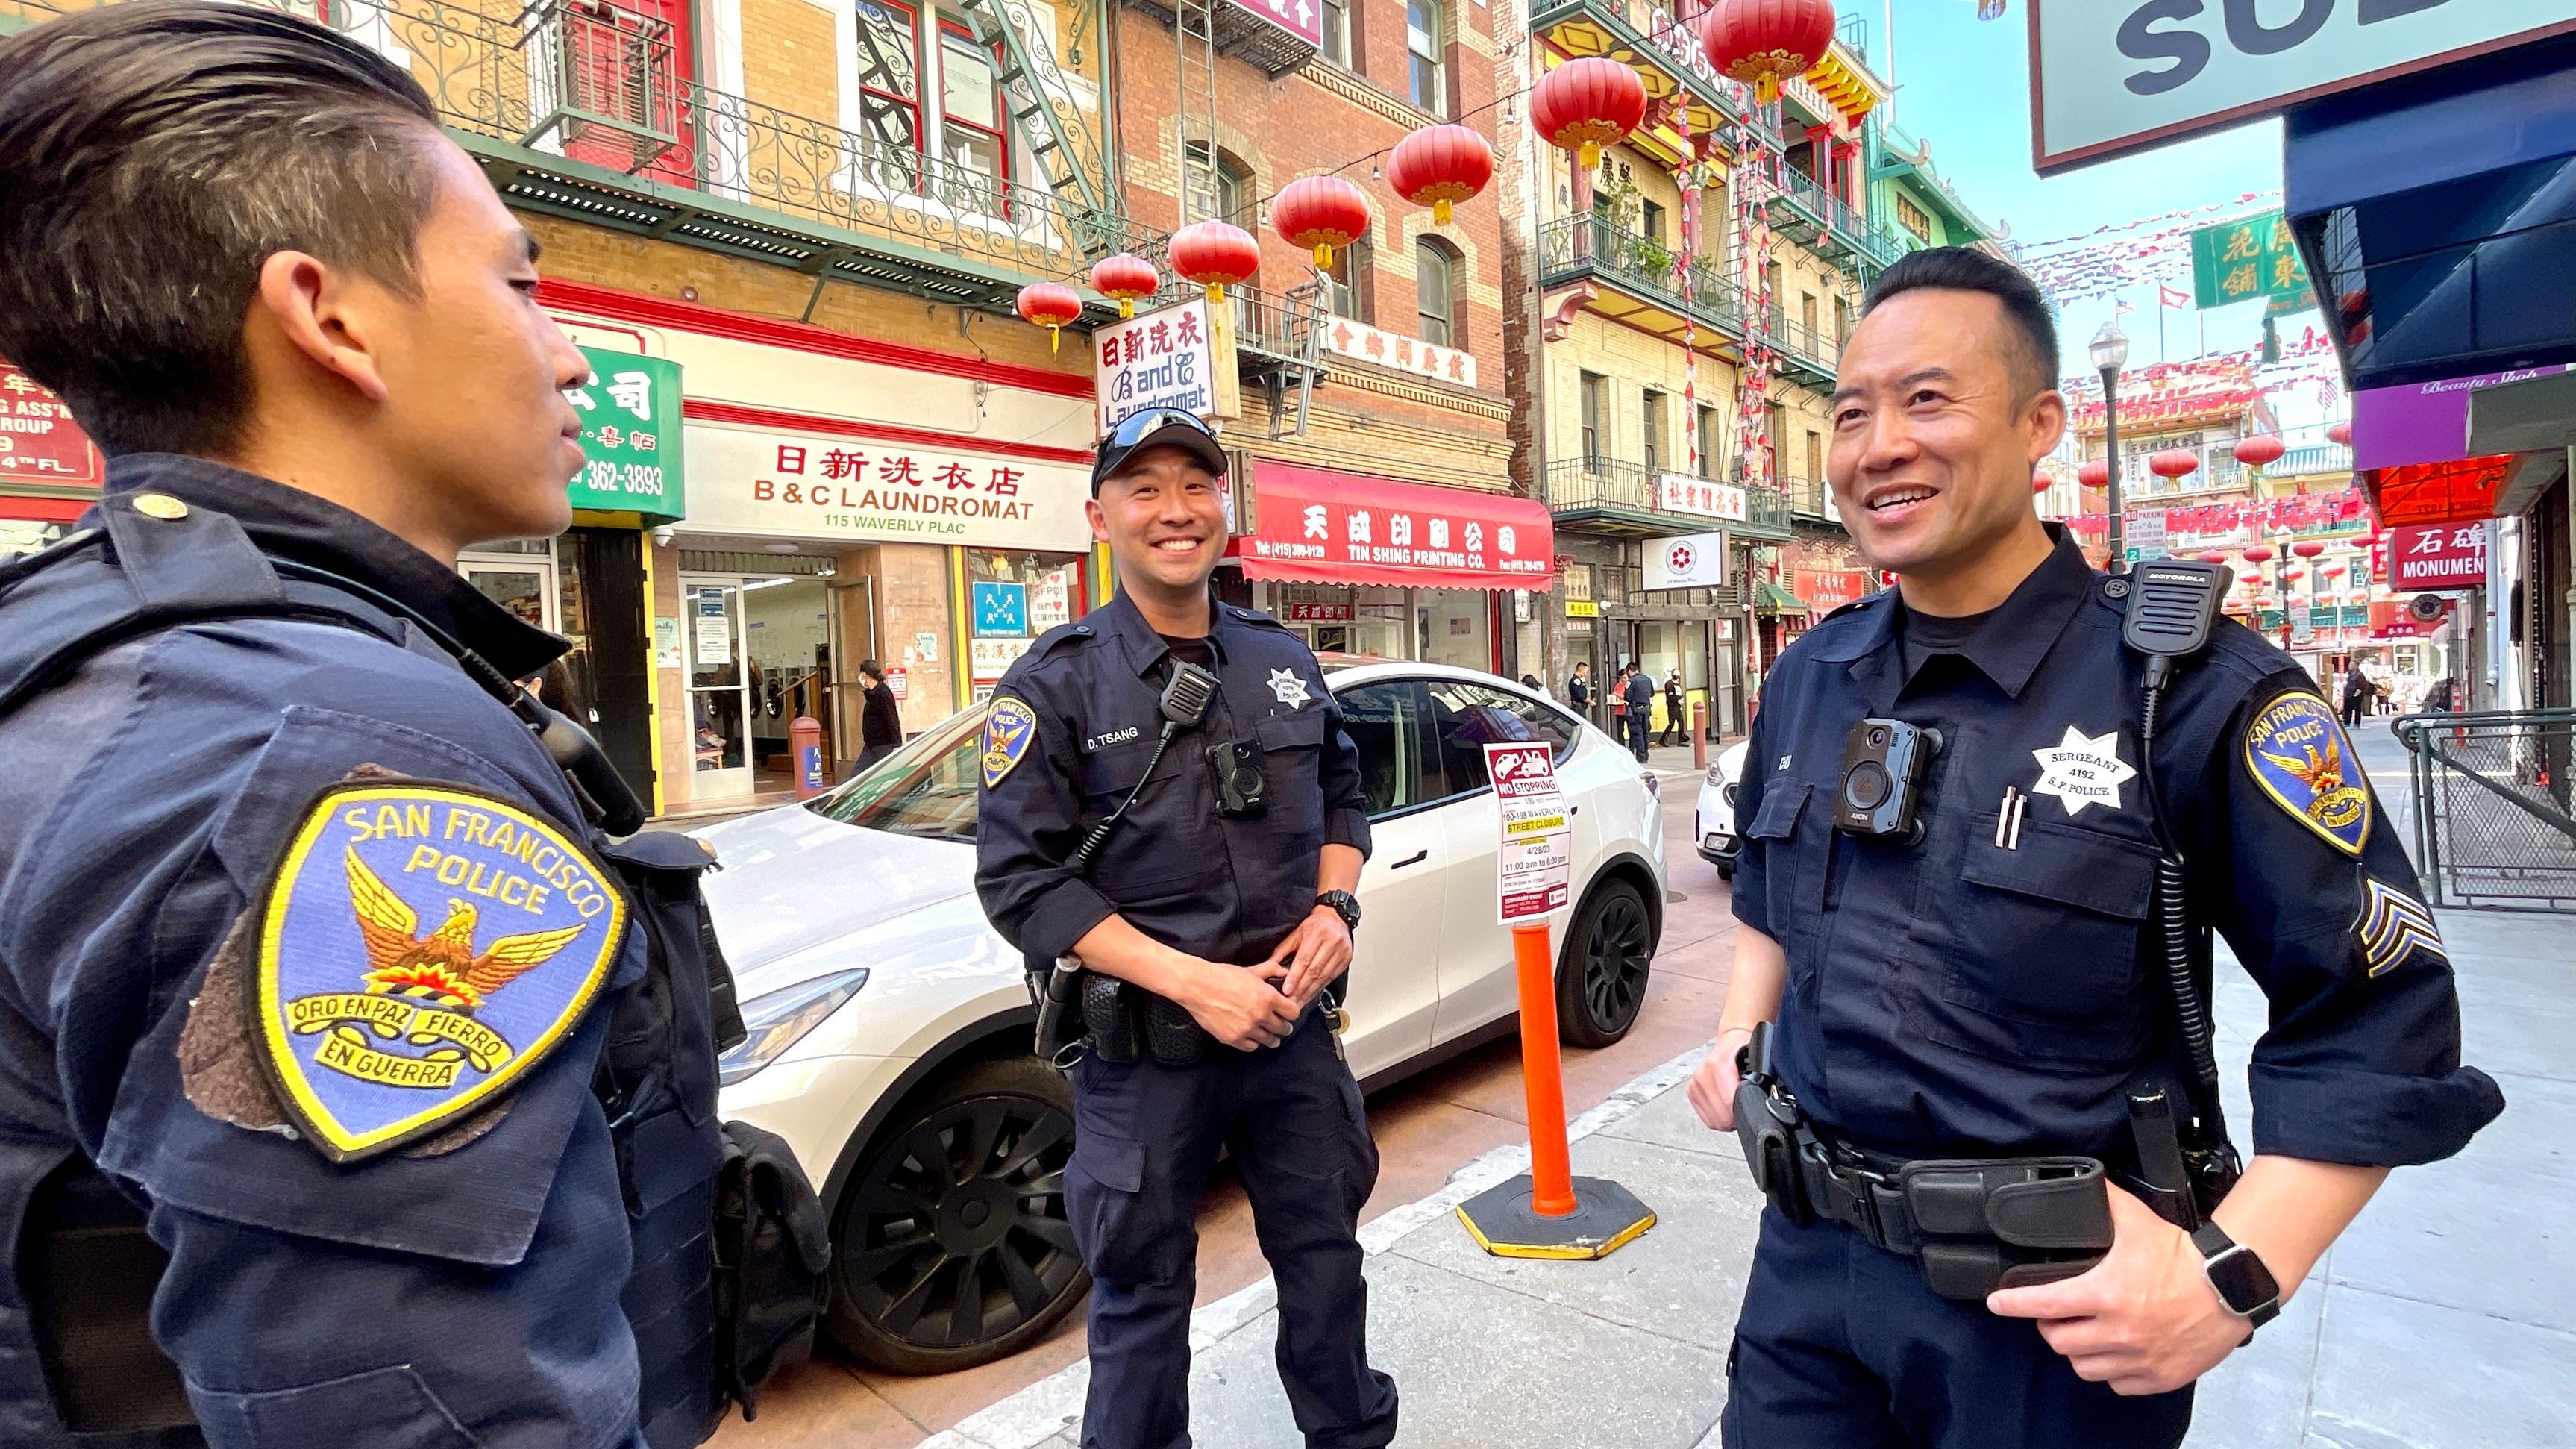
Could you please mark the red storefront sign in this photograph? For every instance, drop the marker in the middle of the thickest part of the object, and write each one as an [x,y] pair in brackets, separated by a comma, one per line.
[1825,590]
[1318,526]
[1298,611]
[2438,555]
[39,442]
[2389,620]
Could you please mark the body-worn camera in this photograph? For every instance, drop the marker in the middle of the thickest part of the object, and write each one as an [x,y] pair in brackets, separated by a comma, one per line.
[1884,761]
[1241,787]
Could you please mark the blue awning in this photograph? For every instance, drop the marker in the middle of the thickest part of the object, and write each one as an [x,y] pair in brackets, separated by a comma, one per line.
[2438,216]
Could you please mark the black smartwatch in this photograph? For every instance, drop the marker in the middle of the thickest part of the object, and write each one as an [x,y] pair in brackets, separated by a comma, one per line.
[2243,1283]
[1345,905]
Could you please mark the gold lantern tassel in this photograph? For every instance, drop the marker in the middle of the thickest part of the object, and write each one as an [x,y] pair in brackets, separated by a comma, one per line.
[1766,88]
[1055,337]
[1216,292]
[1440,212]
[1126,307]
[1324,254]
[1590,155]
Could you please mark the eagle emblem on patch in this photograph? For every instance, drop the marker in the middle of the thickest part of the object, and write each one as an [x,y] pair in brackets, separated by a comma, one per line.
[1008,728]
[2393,926]
[2297,752]
[420,948]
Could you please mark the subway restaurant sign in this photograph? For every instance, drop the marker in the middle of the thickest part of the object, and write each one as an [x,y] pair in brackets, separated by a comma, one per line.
[630,435]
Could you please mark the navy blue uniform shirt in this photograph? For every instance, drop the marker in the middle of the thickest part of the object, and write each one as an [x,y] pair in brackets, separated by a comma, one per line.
[1974,995]
[395,1300]
[1074,723]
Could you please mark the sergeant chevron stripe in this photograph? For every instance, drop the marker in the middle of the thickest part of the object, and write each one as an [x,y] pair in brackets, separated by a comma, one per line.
[2393,924]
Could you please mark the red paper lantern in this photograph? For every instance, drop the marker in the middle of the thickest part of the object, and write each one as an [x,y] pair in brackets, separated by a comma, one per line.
[1123,279]
[2307,548]
[1584,105]
[2340,433]
[1764,42]
[1214,253]
[1440,165]
[2174,463]
[2212,555]
[2258,553]
[2094,474]
[1320,212]
[2293,574]
[1050,305]
[2259,450]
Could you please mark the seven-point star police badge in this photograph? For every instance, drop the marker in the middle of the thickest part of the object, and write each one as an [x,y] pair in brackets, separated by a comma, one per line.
[2297,752]
[421,947]
[2083,770]
[1290,689]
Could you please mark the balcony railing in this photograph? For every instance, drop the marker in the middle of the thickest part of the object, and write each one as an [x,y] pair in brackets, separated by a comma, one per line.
[1274,325]
[1802,345]
[1639,264]
[1577,484]
[1828,215]
[1807,496]
[590,83]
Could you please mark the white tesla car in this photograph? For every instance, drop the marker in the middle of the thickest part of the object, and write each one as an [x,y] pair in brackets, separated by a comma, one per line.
[890,1027]
[1713,818]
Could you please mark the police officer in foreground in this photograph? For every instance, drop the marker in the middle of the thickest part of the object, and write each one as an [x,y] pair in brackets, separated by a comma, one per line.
[356,1087]
[1989,819]
[1172,828]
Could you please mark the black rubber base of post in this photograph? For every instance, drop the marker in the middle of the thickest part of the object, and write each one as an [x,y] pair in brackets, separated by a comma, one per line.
[1606,1217]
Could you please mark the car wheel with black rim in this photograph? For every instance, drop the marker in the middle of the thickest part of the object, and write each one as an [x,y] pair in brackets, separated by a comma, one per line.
[950,1247]
[1601,981]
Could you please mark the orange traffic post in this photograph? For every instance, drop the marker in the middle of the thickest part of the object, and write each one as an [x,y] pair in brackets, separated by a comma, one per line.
[1542,1075]
[1699,735]
[1548,1212]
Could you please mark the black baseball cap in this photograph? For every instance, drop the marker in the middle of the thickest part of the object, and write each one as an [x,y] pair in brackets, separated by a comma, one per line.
[1156,428]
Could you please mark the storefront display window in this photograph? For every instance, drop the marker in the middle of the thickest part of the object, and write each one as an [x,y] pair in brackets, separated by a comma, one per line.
[1011,598]
[1454,626]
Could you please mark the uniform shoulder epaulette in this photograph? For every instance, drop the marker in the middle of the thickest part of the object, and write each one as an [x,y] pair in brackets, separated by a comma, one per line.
[1255,616]
[1061,637]
[1856,605]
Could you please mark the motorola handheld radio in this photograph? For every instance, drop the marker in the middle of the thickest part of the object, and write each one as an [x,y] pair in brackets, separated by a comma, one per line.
[2173,604]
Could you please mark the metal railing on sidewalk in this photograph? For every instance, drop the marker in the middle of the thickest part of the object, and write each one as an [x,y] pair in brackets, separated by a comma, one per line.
[2494,823]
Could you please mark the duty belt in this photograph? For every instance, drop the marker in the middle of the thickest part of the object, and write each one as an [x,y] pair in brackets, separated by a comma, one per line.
[1972,1224]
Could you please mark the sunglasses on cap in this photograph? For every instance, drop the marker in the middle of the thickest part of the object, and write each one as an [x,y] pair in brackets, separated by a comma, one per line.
[1156,428]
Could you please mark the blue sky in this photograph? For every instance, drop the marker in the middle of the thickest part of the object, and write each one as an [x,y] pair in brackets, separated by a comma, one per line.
[1963,85]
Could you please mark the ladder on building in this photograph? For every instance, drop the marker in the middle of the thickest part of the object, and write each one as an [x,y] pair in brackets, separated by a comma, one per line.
[1194,42]
[1076,163]
[1292,388]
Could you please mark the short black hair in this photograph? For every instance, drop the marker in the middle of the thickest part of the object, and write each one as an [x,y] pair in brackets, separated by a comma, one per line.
[1960,269]
[872,670]
[153,155]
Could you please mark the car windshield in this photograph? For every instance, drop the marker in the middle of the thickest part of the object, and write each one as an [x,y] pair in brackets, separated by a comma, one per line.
[926,788]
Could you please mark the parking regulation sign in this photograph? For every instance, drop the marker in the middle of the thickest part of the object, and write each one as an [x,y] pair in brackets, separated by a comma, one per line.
[1535,865]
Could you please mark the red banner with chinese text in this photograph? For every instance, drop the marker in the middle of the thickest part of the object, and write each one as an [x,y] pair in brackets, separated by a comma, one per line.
[1320,526]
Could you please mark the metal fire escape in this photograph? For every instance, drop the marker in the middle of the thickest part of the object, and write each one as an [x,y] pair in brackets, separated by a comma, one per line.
[1078,166]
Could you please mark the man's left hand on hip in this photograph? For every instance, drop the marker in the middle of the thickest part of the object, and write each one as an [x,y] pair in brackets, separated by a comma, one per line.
[2144,1320]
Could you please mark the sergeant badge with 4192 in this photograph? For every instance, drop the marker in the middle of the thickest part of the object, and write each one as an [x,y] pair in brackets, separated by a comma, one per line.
[421,947]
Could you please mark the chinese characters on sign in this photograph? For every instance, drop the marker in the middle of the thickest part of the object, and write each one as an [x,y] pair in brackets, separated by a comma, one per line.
[1534,869]
[630,435]
[39,442]
[1825,590]
[2439,555]
[2238,261]
[1178,357]
[992,658]
[1302,611]
[1368,344]
[802,486]
[1682,493]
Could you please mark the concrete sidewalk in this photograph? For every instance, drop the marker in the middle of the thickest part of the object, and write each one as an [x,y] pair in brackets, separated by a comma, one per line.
[2445,1317]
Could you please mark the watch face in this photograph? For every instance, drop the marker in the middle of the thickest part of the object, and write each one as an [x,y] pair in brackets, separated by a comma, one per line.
[2242,1280]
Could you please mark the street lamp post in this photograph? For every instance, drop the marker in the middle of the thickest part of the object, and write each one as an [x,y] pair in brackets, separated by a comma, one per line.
[2110,354]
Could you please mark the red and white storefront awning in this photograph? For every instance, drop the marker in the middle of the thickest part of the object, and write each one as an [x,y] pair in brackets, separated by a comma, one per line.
[1320,526]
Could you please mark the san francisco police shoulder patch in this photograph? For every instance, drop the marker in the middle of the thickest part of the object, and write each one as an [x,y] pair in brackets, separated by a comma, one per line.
[2297,752]
[1008,729]
[422,946]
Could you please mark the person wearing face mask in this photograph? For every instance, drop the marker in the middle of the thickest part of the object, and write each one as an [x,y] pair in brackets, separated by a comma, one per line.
[1171,831]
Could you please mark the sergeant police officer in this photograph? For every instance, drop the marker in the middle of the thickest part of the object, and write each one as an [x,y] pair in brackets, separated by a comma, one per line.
[1210,917]
[322,966]
[1949,999]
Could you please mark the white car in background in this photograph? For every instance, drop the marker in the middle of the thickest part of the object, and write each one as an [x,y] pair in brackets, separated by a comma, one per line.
[890,1027]
[1713,819]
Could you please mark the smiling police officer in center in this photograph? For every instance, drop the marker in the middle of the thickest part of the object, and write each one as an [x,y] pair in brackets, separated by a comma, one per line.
[1970,1038]
[1170,804]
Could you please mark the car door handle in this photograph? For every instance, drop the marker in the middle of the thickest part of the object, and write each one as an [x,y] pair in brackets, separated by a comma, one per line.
[1415,858]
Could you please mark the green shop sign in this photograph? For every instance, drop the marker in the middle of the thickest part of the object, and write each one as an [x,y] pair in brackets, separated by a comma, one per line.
[2238,261]
[630,435]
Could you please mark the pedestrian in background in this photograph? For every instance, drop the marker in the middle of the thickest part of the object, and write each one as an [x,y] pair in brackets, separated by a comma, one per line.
[1618,696]
[1640,694]
[880,718]
[2357,692]
[1675,727]
[1578,690]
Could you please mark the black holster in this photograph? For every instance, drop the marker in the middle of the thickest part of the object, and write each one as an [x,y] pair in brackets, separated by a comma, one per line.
[1127,1023]
[772,1245]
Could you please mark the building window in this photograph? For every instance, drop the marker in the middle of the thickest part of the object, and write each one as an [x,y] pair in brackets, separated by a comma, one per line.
[1842,322]
[890,90]
[1348,282]
[1651,218]
[1654,420]
[1220,189]
[1426,30]
[1337,32]
[1807,311]
[971,103]
[1595,390]
[1435,289]
[1911,217]
[1708,442]
[1815,455]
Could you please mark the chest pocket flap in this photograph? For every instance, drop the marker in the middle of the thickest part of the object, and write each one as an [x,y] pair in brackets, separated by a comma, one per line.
[1303,729]
[1778,817]
[2066,864]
